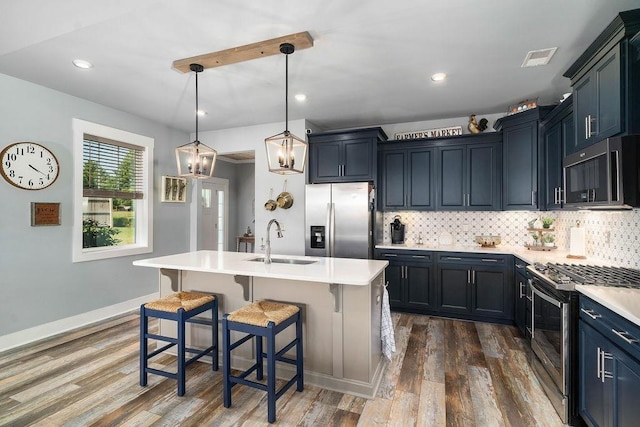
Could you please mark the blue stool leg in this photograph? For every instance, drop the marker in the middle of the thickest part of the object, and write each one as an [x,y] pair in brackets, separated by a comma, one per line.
[299,364]
[181,352]
[271,373]
[226,362]
[214,335]
[259,357]
[144,329]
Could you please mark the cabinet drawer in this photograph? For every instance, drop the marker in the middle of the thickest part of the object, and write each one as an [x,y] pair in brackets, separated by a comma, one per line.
[404,255]
[476,259]
[617,329]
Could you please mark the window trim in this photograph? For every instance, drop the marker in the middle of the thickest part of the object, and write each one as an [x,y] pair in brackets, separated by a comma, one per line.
[144,219]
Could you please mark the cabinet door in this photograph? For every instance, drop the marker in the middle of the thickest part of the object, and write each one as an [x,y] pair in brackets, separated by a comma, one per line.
[419,179]
[453,289]
[592,404]
[393,275]
[553,166]
[608,112]
[583,109]
[521,303]
[482,184]
[490,296]
[452,177]
[626,390]
[420,289]
[393,179]
[520,167]
[357,160]
[327,161]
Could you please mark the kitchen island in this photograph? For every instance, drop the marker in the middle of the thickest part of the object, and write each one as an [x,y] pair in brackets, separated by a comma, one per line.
[340,299]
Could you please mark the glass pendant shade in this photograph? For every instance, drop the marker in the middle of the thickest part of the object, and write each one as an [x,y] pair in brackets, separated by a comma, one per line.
[286,153]
[196,160]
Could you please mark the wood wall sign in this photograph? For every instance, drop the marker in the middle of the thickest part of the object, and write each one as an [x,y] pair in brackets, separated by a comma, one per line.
[430,133]
[45,214]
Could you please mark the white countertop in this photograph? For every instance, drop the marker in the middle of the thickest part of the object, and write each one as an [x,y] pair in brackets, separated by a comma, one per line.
[346,271]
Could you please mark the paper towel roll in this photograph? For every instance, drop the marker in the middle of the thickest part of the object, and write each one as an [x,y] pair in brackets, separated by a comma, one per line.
[577,242]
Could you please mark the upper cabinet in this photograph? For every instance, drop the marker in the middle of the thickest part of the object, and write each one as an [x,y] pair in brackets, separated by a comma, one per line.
[344,156]
[606,84]
[469,173]
[406,177]
[521,151]
[558,135]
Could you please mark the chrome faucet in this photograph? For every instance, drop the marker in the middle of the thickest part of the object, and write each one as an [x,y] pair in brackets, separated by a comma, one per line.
[267,250]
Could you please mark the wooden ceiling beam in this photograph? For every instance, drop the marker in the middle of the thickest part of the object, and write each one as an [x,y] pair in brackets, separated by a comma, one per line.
[247,52]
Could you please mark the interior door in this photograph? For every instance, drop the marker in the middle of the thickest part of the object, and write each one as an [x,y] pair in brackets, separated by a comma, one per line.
[213,217]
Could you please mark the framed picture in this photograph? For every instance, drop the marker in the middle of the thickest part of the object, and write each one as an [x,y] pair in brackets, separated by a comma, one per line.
[174,189]
[45,214]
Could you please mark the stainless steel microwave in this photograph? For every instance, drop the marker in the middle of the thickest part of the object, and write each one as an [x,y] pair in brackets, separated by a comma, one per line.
[605,175]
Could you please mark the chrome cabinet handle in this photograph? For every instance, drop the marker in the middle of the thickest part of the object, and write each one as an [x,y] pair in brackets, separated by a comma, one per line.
[453,258]
[468,276]
[532,198]
[625,336]
[520,265]
[389,255]
[604,374]
[586,127]
[591,314]
[418,256]
[489,260]
[591,120]
[522,295]
[598,362]
[473,277]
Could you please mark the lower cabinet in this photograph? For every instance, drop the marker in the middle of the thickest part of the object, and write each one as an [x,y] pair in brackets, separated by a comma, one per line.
[522,301]
[476,286]
[609,367]
[466,286]
[409,280]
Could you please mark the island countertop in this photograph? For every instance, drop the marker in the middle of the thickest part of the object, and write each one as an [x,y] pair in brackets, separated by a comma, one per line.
[345,271]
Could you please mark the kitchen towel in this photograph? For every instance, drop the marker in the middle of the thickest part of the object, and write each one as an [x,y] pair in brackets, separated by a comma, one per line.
[386,327]
[577,242]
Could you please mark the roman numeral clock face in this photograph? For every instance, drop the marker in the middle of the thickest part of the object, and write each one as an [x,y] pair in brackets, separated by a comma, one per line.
[29,166]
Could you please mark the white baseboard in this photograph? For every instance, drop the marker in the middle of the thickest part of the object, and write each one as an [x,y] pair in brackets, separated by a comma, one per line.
[50,329]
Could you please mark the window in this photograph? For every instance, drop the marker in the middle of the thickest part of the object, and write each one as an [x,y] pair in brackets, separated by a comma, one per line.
[113,192]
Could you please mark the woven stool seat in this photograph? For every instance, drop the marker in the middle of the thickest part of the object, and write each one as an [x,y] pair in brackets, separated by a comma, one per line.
[260,313]
[186,300]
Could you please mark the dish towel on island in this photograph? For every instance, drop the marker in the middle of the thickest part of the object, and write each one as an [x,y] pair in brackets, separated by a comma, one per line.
[386,327]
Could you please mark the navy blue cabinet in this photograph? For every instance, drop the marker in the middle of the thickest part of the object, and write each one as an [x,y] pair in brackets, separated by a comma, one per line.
[469,175]
[558,134]
[344,156]
[406,177]
[609,367]
[475,286]
[606,83]
[522,304]
[521,151]
[409,280]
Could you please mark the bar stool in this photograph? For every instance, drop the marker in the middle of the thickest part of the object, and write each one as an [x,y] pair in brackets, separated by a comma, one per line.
[182,307]
[262,319]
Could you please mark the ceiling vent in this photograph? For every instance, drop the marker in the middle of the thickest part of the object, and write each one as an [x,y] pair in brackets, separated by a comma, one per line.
[538,57]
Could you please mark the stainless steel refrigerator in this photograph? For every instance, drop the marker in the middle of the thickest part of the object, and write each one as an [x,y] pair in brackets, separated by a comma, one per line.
[338,220]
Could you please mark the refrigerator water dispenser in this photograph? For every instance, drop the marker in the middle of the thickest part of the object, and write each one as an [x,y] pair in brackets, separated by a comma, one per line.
[317,237]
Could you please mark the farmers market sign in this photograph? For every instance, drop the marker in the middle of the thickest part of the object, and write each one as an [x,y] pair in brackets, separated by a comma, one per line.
[430,133]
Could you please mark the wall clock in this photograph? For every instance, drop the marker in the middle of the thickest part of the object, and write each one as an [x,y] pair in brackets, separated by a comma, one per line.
[29,166]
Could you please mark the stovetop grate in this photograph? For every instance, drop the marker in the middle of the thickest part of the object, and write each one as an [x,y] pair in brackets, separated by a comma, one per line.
[598,275]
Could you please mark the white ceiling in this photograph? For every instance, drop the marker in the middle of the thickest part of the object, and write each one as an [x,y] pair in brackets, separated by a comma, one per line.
[370,64]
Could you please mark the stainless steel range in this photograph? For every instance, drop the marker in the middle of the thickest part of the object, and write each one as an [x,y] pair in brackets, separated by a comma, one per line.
[554,325]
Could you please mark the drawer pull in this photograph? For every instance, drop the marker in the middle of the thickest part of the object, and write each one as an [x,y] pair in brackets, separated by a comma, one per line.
[591,313]
[489,260]
[625,336]
[418,256]
[390,255]
[520,265]
[454,258]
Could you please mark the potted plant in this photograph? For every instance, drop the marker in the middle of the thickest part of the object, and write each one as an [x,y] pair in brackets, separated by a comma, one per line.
[548,240]
[535,238]
[546,222]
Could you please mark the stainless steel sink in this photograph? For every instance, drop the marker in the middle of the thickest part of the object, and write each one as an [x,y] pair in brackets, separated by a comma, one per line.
[285,260]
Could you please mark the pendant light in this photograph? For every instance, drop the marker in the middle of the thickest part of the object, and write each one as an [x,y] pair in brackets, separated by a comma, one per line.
[196,160]
[286,153]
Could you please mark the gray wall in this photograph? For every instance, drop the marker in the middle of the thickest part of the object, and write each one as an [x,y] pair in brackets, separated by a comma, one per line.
[39,282]
[245,187]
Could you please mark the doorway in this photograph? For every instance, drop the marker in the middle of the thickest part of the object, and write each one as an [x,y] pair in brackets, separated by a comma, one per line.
[214,215]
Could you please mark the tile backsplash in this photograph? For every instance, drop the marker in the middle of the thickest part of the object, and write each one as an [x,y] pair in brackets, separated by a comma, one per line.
[613,236]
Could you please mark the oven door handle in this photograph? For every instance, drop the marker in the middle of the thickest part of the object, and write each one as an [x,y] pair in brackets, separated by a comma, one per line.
[545,296]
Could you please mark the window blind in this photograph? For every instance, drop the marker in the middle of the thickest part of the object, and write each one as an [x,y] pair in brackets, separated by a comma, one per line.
[111,169]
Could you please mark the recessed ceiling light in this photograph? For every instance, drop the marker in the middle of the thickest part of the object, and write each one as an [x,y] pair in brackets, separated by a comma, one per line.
[300,97]
[81,63]
[201,113]
[438,77]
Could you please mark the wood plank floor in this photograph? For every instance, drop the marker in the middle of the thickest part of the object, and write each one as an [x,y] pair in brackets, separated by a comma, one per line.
[444,373]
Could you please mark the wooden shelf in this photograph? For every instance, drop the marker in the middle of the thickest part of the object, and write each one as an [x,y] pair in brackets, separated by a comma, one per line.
[539,247]
[540,232]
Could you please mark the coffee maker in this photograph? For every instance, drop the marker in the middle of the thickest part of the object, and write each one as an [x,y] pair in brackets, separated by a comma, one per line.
[397,231]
